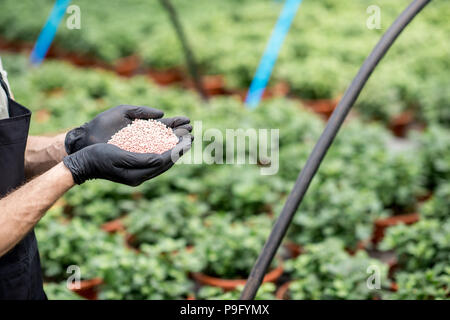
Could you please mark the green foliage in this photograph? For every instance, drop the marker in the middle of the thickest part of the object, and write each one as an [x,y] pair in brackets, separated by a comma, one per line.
[420,246]
[265,292]
[327,271]
[172,216]
[85,205]
[335,210]
[436,155]
[319,58]
[157,273]
[62,244]
[59,291]
[229,249]
[423,285]
[438,207]
[362,152]
[220,209]
[240,190]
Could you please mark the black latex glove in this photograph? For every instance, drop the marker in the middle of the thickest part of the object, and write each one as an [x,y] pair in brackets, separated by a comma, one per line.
[107,123]
[106,161]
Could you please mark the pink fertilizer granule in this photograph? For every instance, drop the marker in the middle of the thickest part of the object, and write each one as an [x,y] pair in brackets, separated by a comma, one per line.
[145,136]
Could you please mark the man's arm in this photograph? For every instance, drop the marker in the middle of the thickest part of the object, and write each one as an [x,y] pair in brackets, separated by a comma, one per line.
[22,209]
[43,153]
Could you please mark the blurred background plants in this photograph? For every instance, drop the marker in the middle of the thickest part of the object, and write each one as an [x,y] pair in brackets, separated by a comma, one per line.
[215,218]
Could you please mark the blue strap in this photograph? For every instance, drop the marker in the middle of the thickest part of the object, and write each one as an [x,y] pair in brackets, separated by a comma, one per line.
[270,56]
[48,32]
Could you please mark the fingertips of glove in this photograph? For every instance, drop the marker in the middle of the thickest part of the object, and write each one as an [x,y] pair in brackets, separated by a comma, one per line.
[75,139]
[142,112]
[175,121]
[182,130]
[172,156]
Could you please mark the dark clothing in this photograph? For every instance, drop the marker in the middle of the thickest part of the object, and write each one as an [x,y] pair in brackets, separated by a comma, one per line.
[20,269]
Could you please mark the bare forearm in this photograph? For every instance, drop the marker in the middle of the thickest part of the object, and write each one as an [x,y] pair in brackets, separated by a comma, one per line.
[43,153]
[21,210]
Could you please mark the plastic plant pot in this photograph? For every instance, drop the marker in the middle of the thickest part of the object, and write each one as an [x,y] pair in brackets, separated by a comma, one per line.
[130,241]
[381,225]
[214,85]
[88,288]
[127,66]
[113,226]
[282,292]
[293,249]
[231,284]
[323,107]
[166,77]
[118,226]
[400,124]
[393,287]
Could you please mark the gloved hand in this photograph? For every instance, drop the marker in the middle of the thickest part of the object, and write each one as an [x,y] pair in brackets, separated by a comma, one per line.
[107,123]
[106,161]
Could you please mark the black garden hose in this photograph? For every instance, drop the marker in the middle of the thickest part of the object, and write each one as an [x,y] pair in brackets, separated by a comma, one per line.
[188,53]
[321,148]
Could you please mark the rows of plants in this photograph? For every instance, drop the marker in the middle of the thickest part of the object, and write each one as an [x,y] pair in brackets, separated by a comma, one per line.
[327,43]
[179,235]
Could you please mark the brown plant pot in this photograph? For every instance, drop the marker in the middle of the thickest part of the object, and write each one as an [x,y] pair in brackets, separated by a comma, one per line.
[166,77]
[231,284]
[282,292]
[113,226]
[127,66]
[88,288]
[117,226]
[214,85]
[382,224]
[81,60]
[400,124]
[361,245]
[280,89]
[323,107]
[425,197]
[42,116]
[393,287]
[294,249]
[130,242]
[239,94]
[15,45]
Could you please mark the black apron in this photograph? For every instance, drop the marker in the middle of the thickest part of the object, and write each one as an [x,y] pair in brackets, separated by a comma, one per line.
[20,268]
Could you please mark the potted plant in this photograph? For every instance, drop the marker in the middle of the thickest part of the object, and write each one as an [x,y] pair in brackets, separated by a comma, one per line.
[421,245]
[382,224]
[59,291]
[334,209]
[229,249]
[265,292]
[422,285]
[127,66]
[242,191]
[438,207]
[88,289]
[158,272]
[62,244]
[174,216]
[435,155]
[97,202]
[326,271]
